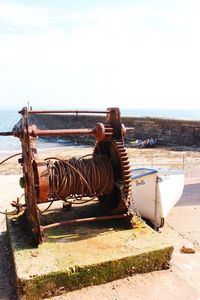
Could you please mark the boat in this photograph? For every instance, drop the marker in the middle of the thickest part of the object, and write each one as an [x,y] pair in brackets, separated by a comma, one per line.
[155,192]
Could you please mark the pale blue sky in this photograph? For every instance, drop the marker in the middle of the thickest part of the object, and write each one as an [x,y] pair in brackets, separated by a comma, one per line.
[136,54]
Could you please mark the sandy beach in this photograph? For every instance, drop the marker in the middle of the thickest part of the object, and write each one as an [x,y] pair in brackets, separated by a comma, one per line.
[181,280]
[177,157]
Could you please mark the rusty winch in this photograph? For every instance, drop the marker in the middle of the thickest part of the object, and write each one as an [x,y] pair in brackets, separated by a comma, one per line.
[104,175]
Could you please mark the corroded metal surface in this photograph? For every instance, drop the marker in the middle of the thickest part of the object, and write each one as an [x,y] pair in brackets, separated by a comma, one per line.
[105,175]
[28,156]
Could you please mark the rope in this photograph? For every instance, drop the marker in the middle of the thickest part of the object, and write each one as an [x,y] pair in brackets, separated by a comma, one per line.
[3,161]
[8,213]
[42,211]
[78,178]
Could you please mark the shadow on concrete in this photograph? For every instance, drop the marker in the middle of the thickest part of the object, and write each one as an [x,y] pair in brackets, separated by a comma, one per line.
[67,233]
[7,274]
[88,230]
[190,196]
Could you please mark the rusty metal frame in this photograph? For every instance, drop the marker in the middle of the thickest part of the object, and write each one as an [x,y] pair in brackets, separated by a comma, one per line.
[28,155]
[113,129]
[84,220]
[68,112]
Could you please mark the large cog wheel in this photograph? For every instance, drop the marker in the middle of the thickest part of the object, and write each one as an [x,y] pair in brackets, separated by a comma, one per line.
[118,200]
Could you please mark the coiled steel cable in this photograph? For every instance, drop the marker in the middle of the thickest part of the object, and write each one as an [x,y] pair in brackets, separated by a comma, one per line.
[78,178]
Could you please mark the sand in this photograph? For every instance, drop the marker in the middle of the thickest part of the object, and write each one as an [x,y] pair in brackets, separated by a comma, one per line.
[170,158]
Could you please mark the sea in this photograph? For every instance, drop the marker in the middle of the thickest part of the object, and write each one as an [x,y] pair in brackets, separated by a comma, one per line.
[8,118]
[10,144]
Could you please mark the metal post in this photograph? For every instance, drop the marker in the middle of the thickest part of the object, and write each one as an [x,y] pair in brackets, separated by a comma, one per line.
[183,161]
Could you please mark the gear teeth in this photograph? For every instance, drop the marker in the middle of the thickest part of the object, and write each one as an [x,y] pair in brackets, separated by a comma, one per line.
[126,163]
[123,203]
[108,131]
[119,143]
[126,172]
[128,180]
[127,168]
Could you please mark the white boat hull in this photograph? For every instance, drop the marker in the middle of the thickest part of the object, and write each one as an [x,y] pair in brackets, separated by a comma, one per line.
[155,192]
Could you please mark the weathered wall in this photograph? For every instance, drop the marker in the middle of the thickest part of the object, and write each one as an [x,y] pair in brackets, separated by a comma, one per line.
[167,131]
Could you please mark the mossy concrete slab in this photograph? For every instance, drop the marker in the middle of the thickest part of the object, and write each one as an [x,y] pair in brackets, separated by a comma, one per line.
[72,257]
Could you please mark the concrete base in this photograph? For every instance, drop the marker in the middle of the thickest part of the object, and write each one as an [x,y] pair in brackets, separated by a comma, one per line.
[72,257]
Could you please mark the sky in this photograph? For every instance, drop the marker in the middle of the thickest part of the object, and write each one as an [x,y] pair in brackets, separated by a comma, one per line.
[97,54]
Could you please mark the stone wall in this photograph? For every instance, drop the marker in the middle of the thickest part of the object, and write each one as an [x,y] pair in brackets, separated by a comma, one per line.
[167,131]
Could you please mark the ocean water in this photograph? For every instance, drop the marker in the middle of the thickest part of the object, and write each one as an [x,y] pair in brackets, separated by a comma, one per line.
[10,144]
[8,118]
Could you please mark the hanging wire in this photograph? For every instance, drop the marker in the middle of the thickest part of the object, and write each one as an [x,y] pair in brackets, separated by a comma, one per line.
[43,211]
[3,161]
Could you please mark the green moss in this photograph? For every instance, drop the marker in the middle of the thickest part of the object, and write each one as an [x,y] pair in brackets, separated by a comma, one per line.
[107,253]
[78,277]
